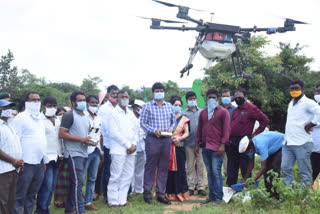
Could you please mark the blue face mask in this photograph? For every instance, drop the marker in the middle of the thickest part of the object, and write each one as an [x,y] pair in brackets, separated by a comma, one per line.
[250,154]
[159,95]
[226,100]
[192,103]
[212,104]
[176,109]
[81,106]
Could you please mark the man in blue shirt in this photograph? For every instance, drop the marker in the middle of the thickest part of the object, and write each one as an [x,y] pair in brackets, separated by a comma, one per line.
[269,146]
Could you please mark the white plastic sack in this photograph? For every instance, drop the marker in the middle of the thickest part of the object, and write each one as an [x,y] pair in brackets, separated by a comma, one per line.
[214,50]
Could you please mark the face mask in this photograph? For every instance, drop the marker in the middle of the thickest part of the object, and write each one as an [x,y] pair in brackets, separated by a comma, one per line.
[124,102]
[317,98]
[212,103]
[159,95]
[192,103]
[6,113]
[226,100]
[81,106]
[295,94]
[176,109]
[50,112]
[240,101]
[93,109]
[33,108]
[112,100]
[250,154]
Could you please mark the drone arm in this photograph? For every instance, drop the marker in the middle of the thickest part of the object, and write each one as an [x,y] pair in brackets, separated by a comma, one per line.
[183,28]
[269,30]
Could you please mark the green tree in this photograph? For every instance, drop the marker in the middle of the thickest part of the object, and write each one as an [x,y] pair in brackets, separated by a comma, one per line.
[90,85]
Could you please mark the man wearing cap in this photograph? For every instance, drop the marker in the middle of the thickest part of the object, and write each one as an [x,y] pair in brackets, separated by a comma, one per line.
[269,146]
[5,96]
[10,159]
[140,160]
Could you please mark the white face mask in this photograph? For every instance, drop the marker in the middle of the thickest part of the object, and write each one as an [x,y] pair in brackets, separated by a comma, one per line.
[317,98]
[33,108]
[124,102]
[93,109]
[6,113]
[50,112]
[159,95]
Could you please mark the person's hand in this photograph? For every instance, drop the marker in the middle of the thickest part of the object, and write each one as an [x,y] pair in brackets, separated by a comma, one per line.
[131,150]
[176,139]
[86,140]
[220,150]
[17,163]
[170,130]
[157,133]
[308,127]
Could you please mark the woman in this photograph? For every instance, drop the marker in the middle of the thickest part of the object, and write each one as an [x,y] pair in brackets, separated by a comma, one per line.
[177,187]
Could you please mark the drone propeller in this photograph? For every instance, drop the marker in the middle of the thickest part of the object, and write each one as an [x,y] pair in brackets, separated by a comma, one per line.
[174,5]
[296,22]
[162,20]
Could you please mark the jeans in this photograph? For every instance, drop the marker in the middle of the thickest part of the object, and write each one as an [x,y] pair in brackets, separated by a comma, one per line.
[92,170]
[47,188]
[315,164]
[213,164]
[28,186]
[106,172]
[301,154]
[77,174]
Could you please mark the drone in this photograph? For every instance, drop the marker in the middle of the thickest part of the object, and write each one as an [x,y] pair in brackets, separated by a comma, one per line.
[216,41]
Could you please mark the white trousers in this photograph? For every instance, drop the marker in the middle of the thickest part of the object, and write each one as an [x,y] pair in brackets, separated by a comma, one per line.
[121,170]
[137,181]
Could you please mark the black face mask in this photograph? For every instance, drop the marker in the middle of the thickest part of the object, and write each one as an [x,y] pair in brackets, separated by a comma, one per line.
[240,101]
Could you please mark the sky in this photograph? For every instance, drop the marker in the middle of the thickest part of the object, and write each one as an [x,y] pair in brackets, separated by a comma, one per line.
[67,40]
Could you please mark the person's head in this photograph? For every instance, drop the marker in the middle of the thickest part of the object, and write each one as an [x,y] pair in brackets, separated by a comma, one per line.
[112,93]
[296,88]
[22,105]
[158,91]
[92,103]
[176,102]
[123,99]
[191,98]
[32,104]
[240,96]
[6,109]
[246,146]
[78,100]
[317,93]
[5,96]
[60,111]
[226,97]
[33,97]
[49,106]
[212,98]
[137,106]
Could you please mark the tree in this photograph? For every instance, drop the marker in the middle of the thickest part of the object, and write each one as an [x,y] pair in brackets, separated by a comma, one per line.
[90,85]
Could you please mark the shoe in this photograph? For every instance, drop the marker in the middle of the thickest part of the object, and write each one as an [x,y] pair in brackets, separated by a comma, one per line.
[202,192]
[217,202]
[91,207]
[148,200]
[74,212]
[207,201]
[191,192]
[126,204]
[163,200]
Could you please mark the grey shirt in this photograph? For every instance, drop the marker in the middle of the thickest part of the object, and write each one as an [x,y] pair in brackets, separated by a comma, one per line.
[77,125]
[194,118]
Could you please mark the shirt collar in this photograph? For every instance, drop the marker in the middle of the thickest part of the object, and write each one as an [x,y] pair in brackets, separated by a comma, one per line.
[155,103]
[197,109]
[119,109]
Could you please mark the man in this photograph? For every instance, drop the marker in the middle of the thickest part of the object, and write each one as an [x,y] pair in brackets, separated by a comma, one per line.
[93,151]
[269,146]
[242,124]
[226,103]
[124,138]
[303,114]
[5,96]
[156,117]
[217,135]
[104,113]
[140,160]
[74,129]
[10,159]
[31,131]
[192,112]
[315,155]
[54,152]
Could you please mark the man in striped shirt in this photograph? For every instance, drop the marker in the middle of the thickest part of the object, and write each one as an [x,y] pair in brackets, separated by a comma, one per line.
[157,116]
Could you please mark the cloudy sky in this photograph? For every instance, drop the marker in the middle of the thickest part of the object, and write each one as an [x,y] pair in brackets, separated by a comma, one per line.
[66,40]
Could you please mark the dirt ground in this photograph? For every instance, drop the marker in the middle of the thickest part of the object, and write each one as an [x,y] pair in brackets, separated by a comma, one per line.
[184,206]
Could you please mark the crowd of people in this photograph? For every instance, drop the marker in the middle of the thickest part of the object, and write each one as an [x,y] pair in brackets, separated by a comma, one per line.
[124,149]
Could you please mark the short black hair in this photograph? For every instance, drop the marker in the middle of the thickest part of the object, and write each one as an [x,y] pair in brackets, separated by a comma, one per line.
[226,91]
[74,95]
[213,91]
[88,98]
[157,85]
[121,92]
[175,98]
[60,109]
[4,95]
[22,105]
[49,99]
[112,87]
[26,99]
[190,94]
[299,82]
[241,90]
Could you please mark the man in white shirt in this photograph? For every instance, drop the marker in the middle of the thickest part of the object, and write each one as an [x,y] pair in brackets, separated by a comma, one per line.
[315,155]
[93,151]
[10,158]
[303,114]
[104,113]
[124,137]
[31,131]
[54,151]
